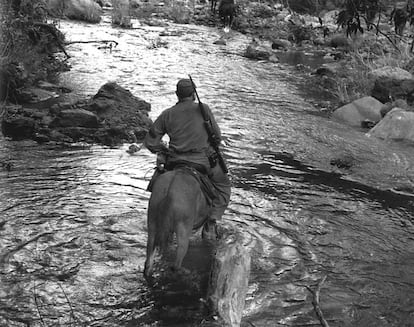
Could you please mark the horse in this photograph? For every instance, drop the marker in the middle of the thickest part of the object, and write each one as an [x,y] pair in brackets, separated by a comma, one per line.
[213,6]
[227,9]
[400,17]
[177,205]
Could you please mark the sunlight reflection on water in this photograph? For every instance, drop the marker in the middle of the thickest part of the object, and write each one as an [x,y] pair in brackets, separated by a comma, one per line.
[308,218]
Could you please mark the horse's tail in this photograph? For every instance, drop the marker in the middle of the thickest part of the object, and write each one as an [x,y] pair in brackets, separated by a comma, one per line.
[161,215]
[164,224]
[160,224]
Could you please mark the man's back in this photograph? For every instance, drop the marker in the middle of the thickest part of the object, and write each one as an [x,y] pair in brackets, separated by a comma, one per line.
[184,125]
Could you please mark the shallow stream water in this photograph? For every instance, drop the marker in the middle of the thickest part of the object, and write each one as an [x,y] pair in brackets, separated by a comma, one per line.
[82,209]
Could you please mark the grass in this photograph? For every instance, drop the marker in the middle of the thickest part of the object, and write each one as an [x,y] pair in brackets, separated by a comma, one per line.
[355,77]
[27,46]
[180,12]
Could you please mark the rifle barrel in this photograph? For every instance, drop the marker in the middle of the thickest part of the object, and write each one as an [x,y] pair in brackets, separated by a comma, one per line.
[211,135]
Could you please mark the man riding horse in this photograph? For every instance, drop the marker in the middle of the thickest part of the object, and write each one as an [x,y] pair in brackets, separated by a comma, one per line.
[189,143]
[226,12]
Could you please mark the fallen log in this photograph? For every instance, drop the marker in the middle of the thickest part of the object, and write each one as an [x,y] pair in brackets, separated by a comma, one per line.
[229,279]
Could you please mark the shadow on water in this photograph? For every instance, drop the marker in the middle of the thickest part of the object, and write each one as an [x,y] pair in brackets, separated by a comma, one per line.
[178,297]
[338,228]
[285,166]
[73,220]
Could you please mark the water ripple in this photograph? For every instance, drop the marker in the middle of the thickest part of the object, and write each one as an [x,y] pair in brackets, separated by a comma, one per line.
[305,216]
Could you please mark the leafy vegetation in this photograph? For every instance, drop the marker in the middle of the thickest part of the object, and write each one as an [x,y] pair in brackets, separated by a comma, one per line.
[27,46]
[29,43]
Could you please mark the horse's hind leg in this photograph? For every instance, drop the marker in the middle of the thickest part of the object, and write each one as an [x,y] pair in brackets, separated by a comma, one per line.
[149,262]
[183,233]
[231,19]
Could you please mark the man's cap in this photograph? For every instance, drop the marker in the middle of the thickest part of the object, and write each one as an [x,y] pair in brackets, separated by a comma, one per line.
[184,88]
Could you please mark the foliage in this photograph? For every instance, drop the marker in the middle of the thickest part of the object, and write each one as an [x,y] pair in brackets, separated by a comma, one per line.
[27,43]
[357,12]
[301,33]
[355,80]
[180,12]
[305,6]
[121,13]
[261,9]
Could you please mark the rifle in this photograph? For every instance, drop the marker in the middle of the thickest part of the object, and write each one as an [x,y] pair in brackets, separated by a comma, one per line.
[212,137]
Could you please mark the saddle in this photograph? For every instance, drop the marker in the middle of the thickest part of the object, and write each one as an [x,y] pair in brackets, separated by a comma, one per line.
[199,172]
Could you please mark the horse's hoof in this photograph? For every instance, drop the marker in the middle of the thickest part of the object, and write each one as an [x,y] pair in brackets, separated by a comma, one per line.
[209,231]
[148,275]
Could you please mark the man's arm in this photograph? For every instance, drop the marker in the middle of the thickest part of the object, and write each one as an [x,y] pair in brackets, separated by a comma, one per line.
[153,138]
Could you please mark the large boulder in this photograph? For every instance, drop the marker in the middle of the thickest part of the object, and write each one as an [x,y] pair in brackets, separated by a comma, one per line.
[398,124]
[359,111]
[393,83]
[399,103]
[75,118]
[85,10]
[111,117]
[117,106]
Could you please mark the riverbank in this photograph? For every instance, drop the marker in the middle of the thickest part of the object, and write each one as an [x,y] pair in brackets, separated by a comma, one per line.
[331,69]
[309,219]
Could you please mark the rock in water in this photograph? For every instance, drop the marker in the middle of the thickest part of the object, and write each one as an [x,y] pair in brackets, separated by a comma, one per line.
[229,281]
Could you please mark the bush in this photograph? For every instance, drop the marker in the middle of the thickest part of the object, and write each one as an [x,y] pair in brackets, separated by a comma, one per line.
[180,12]
[121,13]
[304,6]
[27,42]
[301,33]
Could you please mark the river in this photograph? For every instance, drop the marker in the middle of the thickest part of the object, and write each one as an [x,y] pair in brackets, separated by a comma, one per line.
[84,207]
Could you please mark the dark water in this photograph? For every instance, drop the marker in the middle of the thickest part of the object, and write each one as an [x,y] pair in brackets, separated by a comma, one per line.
[83,208]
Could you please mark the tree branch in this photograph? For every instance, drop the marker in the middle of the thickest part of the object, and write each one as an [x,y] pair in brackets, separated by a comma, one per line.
[92,41]
[315,302]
